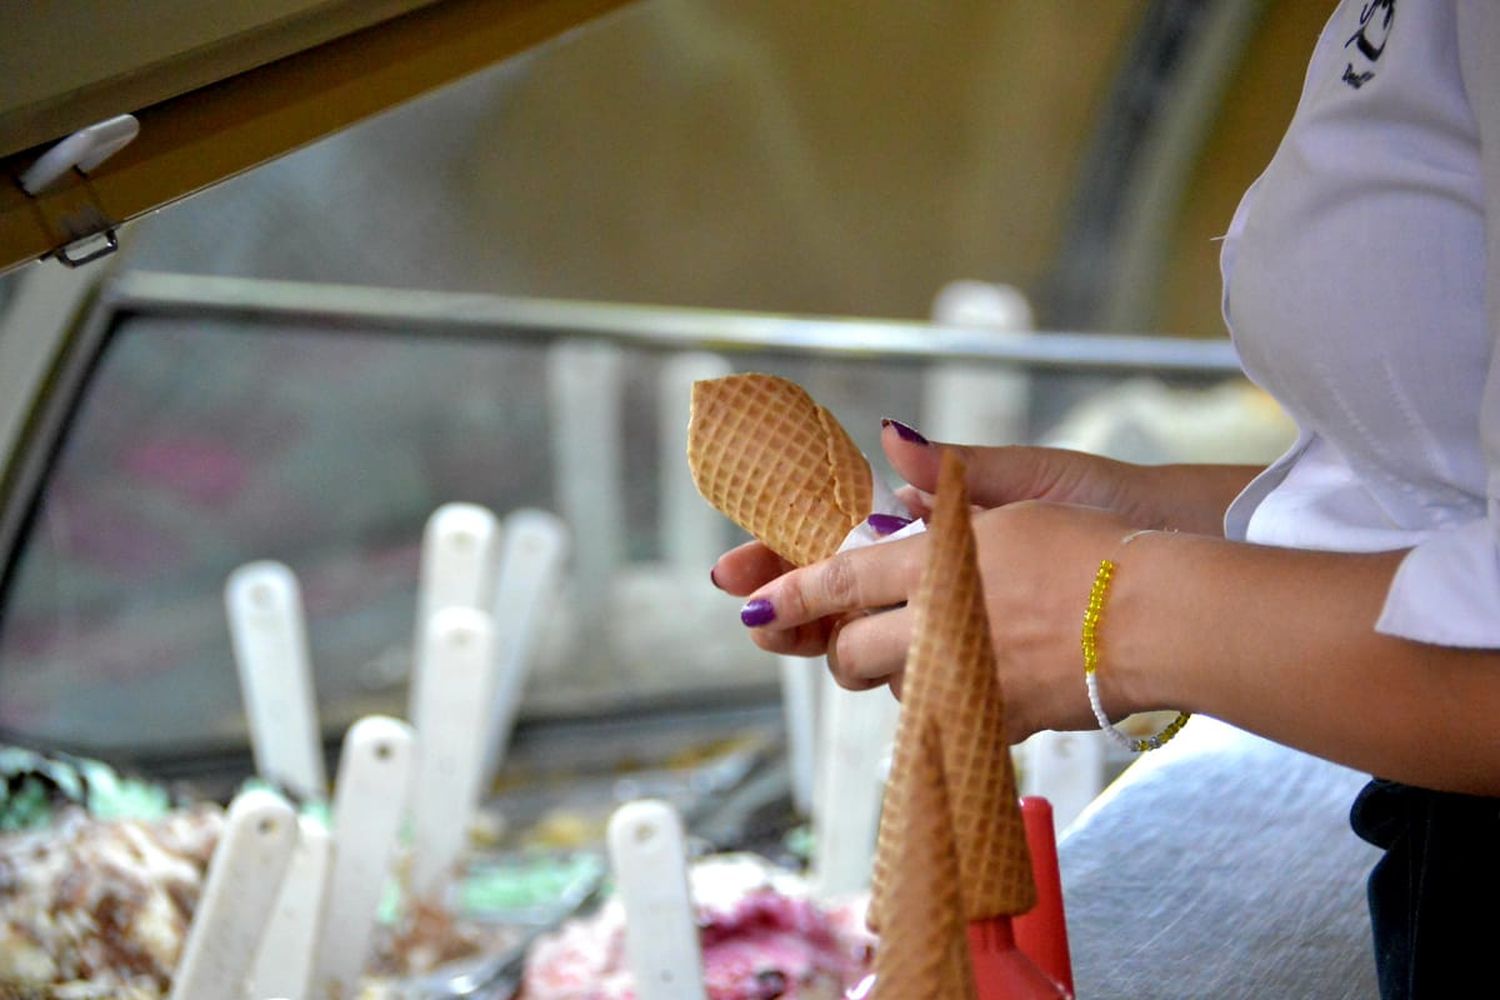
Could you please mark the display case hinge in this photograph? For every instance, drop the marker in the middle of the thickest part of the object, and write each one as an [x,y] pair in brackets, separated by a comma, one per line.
[82,230]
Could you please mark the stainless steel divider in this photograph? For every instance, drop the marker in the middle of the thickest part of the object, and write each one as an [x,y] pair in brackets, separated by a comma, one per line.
[658,327]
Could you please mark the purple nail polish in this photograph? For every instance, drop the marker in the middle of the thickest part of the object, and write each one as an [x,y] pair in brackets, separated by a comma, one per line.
[887,524]
[906,433]
[757,613]
[713,577]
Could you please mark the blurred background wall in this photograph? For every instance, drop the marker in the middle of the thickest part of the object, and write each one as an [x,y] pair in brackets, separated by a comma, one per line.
[831,157]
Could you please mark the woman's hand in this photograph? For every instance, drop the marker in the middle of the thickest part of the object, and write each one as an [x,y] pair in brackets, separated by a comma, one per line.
[1189,498]
[1280,642]
[1046,517]
[1184,498]
[1037,561]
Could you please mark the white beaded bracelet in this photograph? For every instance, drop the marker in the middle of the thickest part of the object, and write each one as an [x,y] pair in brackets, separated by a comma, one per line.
[1090,644]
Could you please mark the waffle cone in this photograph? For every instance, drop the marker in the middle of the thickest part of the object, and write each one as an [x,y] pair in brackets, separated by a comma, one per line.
[924,952]
[951,686]
[777,464]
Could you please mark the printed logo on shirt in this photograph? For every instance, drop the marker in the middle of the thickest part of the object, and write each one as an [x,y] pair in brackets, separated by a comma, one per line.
[1367,44]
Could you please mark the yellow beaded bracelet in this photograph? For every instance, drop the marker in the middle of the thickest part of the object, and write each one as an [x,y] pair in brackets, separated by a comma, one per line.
[1090,643]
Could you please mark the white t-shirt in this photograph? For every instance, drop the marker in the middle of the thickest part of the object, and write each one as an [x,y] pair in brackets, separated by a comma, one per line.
[1362,289]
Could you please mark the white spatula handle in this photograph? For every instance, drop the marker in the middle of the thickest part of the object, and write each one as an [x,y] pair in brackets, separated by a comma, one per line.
[799,707]
[458,557]
[585,381]
[244,877]
[649,862]
[269,636]
[284,965]
[692,533]
[375,769]
[459,546]
[458,653]
[531,564]
[854,735]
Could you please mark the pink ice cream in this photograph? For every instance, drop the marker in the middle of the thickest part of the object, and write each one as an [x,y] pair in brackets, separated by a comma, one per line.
[762,935]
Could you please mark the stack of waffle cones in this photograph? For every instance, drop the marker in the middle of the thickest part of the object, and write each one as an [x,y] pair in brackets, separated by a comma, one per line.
[952,849]
[777,464]
[952,846]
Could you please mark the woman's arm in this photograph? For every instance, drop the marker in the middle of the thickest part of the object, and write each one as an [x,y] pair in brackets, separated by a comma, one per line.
[1282,642]
[1177,497]
[1277,641]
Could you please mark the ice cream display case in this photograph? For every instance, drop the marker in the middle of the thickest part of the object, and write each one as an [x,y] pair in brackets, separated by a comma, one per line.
[356,634]
[231,575]
[321,428]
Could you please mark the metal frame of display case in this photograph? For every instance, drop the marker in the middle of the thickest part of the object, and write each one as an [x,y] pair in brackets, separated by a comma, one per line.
[660,327]
[1307,830]
[477,315]
[1303,797]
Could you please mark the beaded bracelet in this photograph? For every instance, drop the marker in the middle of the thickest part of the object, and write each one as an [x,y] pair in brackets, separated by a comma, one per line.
[1091,663]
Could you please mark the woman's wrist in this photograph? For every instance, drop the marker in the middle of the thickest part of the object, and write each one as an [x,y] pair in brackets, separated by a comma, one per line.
[1138,632]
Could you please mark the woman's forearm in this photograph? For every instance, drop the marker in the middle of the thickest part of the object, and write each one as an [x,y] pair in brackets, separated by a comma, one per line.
[1282,642]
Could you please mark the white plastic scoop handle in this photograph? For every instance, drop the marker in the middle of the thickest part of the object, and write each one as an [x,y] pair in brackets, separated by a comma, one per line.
[649,861]
[244,876]
[284,966]
[585,386]
[375,769]
[692,533]
[459,546]
[454,704]
[269,635]
[855,733]
[531,564]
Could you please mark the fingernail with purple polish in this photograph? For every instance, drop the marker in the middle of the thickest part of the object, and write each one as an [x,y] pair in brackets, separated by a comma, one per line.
[887,524]
[713,577]
[757,613]
[906,433]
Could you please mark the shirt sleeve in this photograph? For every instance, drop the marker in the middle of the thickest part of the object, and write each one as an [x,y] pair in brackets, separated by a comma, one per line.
[1447,589]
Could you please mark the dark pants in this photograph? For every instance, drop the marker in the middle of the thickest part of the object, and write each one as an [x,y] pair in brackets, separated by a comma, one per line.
[1435,896]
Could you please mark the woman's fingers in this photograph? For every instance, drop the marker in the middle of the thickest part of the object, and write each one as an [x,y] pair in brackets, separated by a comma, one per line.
[1005,474]
[869,650]
[918,503]
[877,576]
[811,639]
[994,475]
[743,569]
[863,650]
